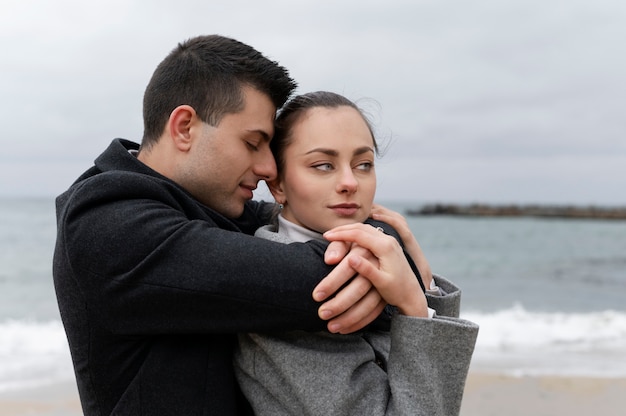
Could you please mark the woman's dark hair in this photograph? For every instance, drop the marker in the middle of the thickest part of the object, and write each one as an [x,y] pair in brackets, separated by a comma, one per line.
[296,108]
[207,73]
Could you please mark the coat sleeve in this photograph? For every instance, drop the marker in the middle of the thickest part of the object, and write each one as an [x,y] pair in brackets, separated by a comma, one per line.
[449,303]
[420,370]
[146,259]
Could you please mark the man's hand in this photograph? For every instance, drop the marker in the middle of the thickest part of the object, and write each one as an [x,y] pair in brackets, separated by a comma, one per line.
[355,305]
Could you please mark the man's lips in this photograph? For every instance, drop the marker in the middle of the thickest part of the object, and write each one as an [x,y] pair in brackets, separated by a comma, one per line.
[345,210]
[248,189]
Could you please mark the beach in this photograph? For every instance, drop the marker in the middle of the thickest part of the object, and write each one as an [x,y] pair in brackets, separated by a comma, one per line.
[497,394]
[548,295]
[59,399]
[485,395]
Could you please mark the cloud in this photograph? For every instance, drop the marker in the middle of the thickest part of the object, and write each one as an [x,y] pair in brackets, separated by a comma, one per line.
[517,84]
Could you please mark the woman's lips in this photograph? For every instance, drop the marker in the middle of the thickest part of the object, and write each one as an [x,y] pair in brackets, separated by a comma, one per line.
[345,210]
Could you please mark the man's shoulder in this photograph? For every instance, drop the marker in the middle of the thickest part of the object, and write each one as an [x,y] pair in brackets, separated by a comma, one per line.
[255,214]
[101,184]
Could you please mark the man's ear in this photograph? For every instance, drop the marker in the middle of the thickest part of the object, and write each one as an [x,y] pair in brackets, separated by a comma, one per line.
[275,187]
[179,126]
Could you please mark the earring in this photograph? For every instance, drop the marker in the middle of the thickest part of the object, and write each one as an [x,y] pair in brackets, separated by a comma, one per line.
[281,206]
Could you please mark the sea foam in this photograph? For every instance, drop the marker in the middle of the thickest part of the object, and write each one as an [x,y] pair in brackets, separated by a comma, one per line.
[519,341]
[33,353]
[512,341]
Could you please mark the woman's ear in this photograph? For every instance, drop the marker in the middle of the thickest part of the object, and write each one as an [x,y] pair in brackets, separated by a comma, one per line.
[275,187]
[179,126]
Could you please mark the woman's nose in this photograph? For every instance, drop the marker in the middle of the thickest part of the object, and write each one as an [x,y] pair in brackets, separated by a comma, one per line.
[347,182]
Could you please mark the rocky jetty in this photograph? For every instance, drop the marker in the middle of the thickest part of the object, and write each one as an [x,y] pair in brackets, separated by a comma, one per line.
[548,211]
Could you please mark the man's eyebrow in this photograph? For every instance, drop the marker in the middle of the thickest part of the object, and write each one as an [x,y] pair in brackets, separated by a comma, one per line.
[266,137]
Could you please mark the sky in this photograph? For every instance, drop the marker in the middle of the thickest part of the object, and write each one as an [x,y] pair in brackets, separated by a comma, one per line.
[518,101]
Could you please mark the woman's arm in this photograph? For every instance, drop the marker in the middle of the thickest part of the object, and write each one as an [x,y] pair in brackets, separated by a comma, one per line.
[420,369]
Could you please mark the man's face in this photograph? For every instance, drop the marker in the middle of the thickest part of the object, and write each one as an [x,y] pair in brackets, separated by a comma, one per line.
[226,162]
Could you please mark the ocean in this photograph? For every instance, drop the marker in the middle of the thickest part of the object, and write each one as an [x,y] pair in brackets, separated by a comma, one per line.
[549,294]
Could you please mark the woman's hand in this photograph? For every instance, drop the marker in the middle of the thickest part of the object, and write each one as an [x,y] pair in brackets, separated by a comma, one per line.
[389,272]
[398,222]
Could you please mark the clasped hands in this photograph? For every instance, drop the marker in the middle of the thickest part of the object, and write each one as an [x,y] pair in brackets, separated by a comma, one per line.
[375,272]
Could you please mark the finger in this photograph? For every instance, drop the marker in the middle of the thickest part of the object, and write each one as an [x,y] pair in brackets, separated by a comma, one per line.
[364,235]
[368,270]
[336,251]
[381,210]
[393,218]
[360,315]
[351,226]
[377,208]
[348,296]
[399,223]
[338,277]
[331,234]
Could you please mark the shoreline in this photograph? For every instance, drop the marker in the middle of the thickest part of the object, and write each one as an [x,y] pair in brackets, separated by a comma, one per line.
[512,210]
[485,394]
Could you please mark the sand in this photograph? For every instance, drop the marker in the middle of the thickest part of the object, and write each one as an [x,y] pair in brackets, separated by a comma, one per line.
[49,400]
[489,394]
[485,395]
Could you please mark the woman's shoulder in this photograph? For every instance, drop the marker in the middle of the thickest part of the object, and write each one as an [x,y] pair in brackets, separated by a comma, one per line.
[270,232]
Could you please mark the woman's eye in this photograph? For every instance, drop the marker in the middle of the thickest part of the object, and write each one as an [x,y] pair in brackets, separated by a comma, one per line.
[252,146]
[323,166]
[365,166]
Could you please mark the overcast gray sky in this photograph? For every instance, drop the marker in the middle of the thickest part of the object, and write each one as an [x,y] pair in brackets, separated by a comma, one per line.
[479,101]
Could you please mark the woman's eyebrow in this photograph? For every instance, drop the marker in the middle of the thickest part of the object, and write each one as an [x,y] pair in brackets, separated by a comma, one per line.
[332,152]
[362,150]
[329,152]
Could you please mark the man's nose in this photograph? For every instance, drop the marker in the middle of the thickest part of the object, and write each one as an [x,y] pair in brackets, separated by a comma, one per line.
[265,165]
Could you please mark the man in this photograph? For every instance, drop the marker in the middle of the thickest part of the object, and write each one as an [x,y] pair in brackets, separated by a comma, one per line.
[154,267]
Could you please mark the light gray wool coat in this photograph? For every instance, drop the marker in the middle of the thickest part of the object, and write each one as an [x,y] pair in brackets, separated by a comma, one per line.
[418,368]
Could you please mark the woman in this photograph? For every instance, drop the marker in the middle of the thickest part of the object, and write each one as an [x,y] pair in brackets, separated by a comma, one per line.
[325,150]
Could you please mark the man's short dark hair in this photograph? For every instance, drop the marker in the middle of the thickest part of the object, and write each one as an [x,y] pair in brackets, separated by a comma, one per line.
[207,73]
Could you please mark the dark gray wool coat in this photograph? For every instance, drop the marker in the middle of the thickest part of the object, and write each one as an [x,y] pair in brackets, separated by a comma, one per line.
[153,286]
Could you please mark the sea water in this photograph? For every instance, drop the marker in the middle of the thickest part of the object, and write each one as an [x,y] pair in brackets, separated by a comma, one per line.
[549,295]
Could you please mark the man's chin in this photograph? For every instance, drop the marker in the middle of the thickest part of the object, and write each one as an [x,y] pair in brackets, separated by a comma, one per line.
[234,211]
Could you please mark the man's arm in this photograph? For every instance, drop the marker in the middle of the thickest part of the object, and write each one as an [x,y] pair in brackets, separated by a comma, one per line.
[149,261]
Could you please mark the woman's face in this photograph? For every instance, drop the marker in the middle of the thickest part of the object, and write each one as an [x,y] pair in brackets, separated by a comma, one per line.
[328,177]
